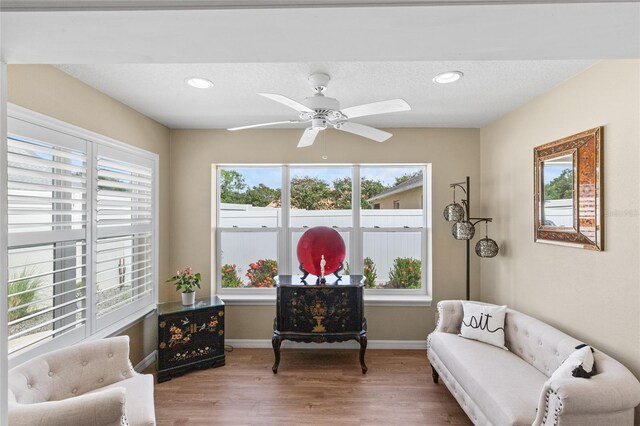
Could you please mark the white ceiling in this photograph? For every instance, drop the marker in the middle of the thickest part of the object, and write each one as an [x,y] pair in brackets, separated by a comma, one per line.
[509,53]
[488,90]
[30,5]
[345,34]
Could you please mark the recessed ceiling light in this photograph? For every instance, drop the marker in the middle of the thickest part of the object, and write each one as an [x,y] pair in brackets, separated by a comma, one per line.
[199,83]
[448,77]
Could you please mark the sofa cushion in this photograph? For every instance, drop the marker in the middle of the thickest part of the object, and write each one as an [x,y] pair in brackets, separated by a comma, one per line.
[139,404]
[504,387]
[579,364]
[484,323]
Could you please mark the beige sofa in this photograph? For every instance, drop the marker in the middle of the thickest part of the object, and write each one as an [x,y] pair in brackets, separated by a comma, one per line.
[92,383]
[498,387]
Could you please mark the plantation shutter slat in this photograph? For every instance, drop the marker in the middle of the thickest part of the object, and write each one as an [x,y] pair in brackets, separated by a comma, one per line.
[25,161]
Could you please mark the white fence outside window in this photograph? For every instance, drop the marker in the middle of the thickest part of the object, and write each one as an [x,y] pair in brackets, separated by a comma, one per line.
[383,247]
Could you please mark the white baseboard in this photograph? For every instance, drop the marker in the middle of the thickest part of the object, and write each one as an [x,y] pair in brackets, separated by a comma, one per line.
[266,343]
[147,361]
[371,344]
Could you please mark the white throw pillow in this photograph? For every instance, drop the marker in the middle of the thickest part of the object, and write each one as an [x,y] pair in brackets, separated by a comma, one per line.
[484,323]
[579,364]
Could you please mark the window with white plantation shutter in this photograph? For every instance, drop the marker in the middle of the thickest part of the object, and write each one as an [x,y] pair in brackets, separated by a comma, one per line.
[47,220]
[124,252]
[81,237]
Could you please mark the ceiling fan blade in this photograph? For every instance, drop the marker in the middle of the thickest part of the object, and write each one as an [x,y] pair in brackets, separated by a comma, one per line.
[308,137]
[286,101]
[382,107]
[364,131]
[273,123]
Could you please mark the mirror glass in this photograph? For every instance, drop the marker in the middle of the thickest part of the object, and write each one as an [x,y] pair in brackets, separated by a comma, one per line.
[557,200]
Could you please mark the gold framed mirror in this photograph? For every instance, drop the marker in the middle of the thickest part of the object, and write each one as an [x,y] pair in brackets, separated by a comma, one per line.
[568,191]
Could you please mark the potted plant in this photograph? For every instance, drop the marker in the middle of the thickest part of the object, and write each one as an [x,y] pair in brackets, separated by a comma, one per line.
[186,281]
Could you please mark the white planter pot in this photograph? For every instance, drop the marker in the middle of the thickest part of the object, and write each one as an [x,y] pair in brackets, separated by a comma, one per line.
[189,298]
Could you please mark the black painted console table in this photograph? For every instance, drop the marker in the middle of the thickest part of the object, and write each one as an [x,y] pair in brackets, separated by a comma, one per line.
[331,312]
[190,337]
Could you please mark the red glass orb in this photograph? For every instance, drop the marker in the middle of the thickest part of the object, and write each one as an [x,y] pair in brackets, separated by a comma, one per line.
[319,241]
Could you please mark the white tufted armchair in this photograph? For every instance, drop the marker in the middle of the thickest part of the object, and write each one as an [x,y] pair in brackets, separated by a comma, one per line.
[91,383]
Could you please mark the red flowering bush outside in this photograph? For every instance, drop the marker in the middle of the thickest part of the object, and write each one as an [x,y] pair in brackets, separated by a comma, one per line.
[370,273]
[262,273]
[405,273]
[230,278]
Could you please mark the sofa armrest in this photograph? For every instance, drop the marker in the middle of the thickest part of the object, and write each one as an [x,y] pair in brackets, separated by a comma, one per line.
[450,316]
[613,389]
[104,408]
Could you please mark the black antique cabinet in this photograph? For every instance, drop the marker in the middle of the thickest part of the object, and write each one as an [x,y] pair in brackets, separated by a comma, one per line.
[189,337]
[331,312]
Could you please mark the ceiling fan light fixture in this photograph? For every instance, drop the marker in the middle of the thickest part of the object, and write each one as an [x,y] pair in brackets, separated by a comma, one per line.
[448,77]
[199,82]
[319,123]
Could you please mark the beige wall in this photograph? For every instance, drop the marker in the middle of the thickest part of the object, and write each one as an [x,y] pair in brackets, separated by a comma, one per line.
[410,199]
[594,296]
[454,154]
[47,90]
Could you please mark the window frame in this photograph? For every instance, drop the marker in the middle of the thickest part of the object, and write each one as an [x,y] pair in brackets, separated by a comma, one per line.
[31,121]
[384,297]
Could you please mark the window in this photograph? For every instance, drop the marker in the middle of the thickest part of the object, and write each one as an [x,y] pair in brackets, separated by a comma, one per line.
[80,244]
[257,236]
[394,239]
[250,226]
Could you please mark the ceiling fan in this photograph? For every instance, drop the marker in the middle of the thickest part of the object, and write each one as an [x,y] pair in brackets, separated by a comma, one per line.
[322,111]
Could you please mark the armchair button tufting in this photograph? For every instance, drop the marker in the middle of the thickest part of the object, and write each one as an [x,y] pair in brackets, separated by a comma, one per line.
[100,380]
[28,385]
[50,373]
[110,355]
[74,390]
[84,362]
[124,373]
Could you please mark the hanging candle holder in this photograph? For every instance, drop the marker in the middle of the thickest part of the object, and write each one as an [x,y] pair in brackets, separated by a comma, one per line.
[486,247]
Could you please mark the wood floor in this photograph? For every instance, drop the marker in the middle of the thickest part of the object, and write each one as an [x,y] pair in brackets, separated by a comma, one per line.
[312,387]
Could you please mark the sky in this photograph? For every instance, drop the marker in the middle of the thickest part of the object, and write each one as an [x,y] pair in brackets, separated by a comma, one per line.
[270,176]
[552,171]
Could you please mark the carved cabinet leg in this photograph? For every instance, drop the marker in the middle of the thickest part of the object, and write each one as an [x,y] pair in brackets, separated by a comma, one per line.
[434,374]
[363,348]
[276,341]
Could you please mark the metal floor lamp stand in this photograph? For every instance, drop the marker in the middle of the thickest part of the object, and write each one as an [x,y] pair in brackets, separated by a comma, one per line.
[466,202]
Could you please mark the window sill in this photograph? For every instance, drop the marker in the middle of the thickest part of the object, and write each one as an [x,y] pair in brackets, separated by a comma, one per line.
[369,300]
[397,300]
